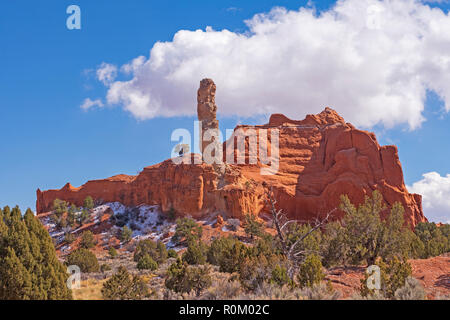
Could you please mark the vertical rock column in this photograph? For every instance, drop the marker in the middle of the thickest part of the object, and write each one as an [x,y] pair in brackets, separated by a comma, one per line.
[206,111]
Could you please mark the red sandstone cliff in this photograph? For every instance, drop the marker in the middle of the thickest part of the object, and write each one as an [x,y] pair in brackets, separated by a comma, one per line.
[321,157]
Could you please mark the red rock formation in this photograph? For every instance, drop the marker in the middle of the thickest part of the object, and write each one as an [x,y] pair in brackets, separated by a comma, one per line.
[321,157]
[206,111]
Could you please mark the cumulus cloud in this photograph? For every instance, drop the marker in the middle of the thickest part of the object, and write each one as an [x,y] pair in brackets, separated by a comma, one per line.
[106,73]
[88,103]
[435,190]
[373,61]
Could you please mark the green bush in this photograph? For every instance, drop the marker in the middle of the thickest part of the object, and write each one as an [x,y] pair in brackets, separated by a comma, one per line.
[156,250]
[147,263]
[105,267]
[183,278]
[393,274]
[84,217]
[195,253]
[84,259]
[172,253]
[126,234]
[254,271]
[186,229]
[362,236]
[280,276]
[252,226]
[87,240]
[435,240]
[69,237]
[310,272]
[88,203]
[59,206]
[112,252]
[123,286]
[227,253]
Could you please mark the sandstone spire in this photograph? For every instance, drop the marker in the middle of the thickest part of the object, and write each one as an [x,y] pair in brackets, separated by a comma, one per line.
[206,110]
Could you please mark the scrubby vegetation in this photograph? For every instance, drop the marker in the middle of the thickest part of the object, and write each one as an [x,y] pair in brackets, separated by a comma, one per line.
[183,278]
[155,250]
[87,240]
[84,259]
[289,263]
[187,229]
[29,268]
[123,286]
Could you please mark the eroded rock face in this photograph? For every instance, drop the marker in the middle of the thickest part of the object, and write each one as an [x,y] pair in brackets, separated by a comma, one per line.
[206,110]
[321,158]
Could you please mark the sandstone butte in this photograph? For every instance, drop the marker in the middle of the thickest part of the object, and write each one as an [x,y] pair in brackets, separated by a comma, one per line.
[321,158]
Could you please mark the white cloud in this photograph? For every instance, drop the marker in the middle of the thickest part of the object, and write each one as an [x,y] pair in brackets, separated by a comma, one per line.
[372,61]
[88,103]
[435,190]
[106,73]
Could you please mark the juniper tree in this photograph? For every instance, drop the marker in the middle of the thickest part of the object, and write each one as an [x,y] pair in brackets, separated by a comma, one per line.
[29,268]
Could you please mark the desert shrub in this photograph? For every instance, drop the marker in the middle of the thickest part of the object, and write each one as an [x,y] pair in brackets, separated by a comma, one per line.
[436,240]
[88,203]
[162,251]
[69,237]
[252,226]
[271,291]
[186,229]
[416,247]
[84,259]
[87,240]
[308,244]
[147,263]
[280,276]
[123,286]
[105,267]
[412,290]
[393,274]
[157,251]
[171,253]
[227,253]
[223,287]
[29,267]
[321,291]
[195,253]
[362,236]
[59,206]
[84,217]
[126,234]
[168,294]
[112,252]
[183,278]
[310,272]
[71,215]
[254,270]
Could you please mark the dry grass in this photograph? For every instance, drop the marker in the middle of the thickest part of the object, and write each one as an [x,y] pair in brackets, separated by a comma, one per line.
[90,290]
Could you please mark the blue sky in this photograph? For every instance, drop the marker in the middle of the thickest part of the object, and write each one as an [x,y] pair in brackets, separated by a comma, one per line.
[47,71]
